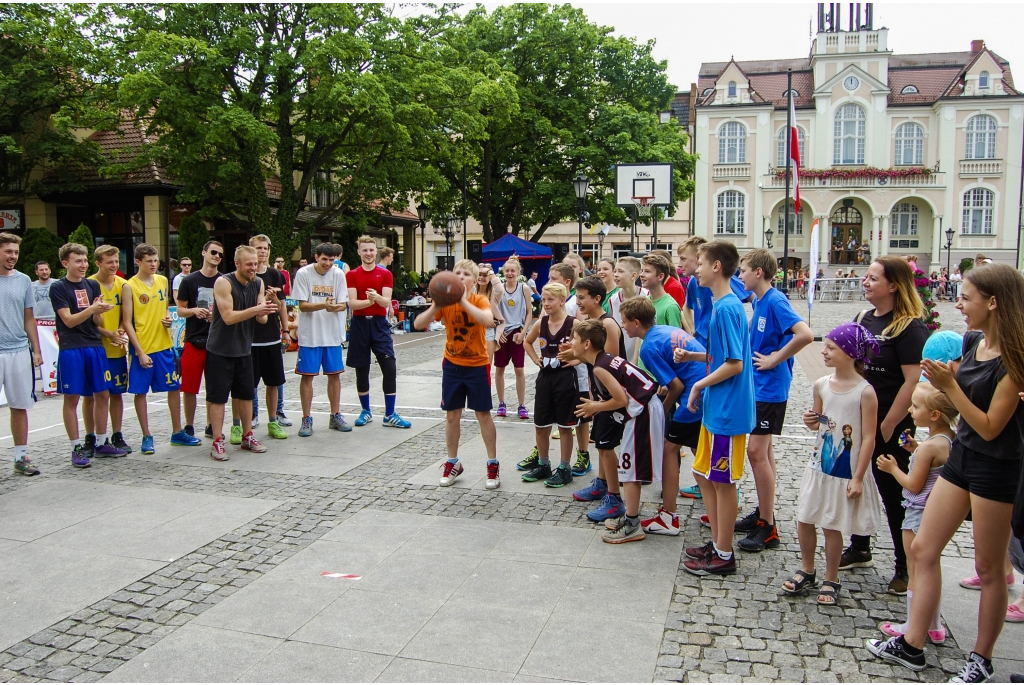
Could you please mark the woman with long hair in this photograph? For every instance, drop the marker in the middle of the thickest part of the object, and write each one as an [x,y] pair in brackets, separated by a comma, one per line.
[485,283]
[983,468]
[896,322]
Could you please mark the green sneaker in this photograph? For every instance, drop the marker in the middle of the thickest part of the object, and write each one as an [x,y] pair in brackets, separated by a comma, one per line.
[275,431]
[236,435]
[531,462]
[25,467]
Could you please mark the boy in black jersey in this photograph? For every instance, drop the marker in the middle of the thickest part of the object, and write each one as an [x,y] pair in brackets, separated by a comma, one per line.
[635,394]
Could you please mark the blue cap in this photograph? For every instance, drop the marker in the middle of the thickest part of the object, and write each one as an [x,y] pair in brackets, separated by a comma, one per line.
[943,346]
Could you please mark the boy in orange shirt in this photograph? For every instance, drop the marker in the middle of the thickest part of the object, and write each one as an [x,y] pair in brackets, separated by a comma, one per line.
[465,377]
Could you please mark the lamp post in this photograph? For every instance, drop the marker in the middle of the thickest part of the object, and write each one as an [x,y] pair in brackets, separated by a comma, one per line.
[949,247]
[580,185]
[422,211]
[449,227]
[768,238]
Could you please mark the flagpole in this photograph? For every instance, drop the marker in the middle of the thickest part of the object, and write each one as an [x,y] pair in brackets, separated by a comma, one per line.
[789,165]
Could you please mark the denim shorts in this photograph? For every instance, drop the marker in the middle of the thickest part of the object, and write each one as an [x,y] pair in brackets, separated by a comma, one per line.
[912,519]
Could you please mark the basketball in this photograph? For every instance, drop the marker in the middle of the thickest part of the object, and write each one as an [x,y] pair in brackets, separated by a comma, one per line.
[446,288]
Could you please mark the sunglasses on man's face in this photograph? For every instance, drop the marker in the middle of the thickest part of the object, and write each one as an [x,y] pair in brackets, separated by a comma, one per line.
[215,253]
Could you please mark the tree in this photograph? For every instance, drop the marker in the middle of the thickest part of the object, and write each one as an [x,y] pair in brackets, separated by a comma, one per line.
[343,99]
[83,236]
[38,245]
[192,236]
[46,91]
[587,100]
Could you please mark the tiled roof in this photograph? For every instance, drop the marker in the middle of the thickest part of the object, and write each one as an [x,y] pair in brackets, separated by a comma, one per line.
[122,146]
[931,84]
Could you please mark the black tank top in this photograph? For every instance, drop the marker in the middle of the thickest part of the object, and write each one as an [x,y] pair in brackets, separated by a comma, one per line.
[978,380]
[549,342]
[638,385]
[234,340]
[622,338]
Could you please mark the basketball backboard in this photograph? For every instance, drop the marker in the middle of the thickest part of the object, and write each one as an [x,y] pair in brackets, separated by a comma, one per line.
[652,180]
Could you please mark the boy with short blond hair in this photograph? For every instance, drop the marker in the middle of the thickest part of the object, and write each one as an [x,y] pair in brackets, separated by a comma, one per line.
[726,396]
[777,333]
[627,270]
[465,379]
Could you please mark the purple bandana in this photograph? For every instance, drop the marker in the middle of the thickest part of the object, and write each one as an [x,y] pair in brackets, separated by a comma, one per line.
[855,340]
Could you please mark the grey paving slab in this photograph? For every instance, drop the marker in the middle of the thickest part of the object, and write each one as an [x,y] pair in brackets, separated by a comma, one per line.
[196,653]
[1005,667]
[65,503]
[537,679]
[656,551]
[569,648]
[415,671]
[381,623]
[960,611]
[457,536]
[8,544]
[465,633]
[549,545]
[329,557]
[528,585]
[302,662]
[23,616]
[639,594]
[417,574]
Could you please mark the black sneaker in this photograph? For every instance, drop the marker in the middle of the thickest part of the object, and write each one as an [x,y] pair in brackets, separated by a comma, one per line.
[764,536]
[899,583]
[530,462]
[893,650]
[190,430]
[1017,677]
[977,669]
[561,477]
[117,440]
[748,522]
[89,446]
[538,472]
[854,558]
[209,431]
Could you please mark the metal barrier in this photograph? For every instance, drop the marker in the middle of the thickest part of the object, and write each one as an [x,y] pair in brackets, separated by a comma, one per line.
[839,289]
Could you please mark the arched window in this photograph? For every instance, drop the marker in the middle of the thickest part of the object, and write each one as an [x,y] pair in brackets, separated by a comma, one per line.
[977,218]
[909,144]
[801,146]
[732,143]
[707,91]
[981,137]
[731,212]
[796,222]
[983,80]
[796,93]
[909,90]
[731,92]
[848,144]
[904,219]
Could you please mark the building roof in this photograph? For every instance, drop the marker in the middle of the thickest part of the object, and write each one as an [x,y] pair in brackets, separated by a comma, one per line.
[935,75]
[121,146]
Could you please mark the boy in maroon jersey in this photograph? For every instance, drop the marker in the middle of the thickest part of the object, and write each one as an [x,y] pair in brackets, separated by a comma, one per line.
[635,394]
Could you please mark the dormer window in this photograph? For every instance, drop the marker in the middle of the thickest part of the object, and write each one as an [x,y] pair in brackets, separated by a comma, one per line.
[909,90]
[707,91]
[795,92]
[731,92]
[983,80]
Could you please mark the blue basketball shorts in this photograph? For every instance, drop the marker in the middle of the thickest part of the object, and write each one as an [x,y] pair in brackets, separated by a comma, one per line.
[83,371]
[162,376]
[368,334]
[118,369]
[312,359]
[465,385]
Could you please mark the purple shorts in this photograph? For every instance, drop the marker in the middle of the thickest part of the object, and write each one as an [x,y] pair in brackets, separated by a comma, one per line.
[509,351]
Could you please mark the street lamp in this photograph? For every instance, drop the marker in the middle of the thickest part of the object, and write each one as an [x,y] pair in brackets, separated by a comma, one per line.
[449,227]
[422,211]
[949,246]
[580,185]
[768,238]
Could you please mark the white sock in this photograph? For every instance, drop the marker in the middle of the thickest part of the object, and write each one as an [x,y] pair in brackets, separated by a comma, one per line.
[937,619]
[20,452]
[910,600]
[724,556]
[77,442]
[101,439]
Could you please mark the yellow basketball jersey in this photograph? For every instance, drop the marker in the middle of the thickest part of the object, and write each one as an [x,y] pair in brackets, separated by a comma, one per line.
[112,319]
[149,309]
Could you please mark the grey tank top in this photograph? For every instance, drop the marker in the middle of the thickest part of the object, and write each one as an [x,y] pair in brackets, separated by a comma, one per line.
[513,307]
[234,340]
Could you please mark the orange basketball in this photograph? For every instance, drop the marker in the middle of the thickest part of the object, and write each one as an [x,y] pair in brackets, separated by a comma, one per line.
[446,288]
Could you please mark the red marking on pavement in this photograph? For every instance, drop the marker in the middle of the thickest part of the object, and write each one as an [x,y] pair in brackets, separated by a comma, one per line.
[346,576]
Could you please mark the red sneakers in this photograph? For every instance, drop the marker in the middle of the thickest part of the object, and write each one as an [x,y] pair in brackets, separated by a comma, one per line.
[450,473]
[493,481]
[662,523]
[251,444]
[712,565]
[217,452]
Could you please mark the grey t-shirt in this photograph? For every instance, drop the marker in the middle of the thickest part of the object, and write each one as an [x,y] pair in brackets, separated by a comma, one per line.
[16,296]
[43,307]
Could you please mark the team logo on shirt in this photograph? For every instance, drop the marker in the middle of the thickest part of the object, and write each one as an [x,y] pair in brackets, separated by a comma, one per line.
[542,342]
[322,291]
[761,322]
[143,298]
[510,302]
[82,298]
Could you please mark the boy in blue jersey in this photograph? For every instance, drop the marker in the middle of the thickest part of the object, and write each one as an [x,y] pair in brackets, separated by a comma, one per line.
[697,312]
[682,426]
[777,333]
[726,395]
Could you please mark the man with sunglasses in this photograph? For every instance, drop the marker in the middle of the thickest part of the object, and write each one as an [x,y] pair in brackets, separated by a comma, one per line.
[195,305]
[279,265]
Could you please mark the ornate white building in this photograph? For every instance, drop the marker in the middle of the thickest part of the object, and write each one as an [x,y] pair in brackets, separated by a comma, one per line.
[895,149]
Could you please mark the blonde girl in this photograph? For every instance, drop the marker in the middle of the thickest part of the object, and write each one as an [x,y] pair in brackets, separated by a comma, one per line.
[837,492]
[932,411]
[514,308]
[485,285]
[577,263]
[982,471]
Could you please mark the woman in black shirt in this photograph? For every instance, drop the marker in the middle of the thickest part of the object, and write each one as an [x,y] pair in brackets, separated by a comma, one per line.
[896,322]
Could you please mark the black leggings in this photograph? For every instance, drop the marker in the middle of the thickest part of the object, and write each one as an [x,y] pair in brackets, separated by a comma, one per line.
[387,367]
[891,492]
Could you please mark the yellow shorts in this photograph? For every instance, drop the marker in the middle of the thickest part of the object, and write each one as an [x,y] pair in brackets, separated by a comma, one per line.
[720,458]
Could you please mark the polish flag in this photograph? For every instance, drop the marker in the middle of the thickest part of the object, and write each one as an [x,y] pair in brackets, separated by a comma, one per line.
[794,152]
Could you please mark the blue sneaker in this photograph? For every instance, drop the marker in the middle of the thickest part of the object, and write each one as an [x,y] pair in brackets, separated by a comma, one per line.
[611,507]
[693,492]
[306,429]
[338,423]
[364,418]
[78,458]
[593,492]
[183,439]
[147,444]
[396,421]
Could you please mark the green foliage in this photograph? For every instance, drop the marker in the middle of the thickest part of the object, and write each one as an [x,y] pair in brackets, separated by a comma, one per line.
[586,101]
[342,98]
[83,236]
[405,281]
[966,264]
[38,245]
[192,235]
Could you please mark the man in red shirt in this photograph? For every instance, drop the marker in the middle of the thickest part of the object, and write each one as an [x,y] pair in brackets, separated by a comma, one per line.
[369,297]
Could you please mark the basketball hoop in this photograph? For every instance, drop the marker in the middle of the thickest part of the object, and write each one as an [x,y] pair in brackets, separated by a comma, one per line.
[643,209]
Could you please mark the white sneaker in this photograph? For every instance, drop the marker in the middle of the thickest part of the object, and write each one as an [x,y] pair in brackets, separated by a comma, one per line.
[493,481]
[663,523]
[450,473]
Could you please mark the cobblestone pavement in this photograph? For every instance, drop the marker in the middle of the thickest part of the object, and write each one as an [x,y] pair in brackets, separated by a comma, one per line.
[740,628]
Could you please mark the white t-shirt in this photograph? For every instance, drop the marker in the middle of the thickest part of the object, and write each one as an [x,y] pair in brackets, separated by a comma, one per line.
[321,328]
[176,283]
[615,307]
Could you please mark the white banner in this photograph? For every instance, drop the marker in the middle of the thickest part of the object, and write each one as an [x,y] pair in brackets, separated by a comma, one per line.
[48,348]
[813,275]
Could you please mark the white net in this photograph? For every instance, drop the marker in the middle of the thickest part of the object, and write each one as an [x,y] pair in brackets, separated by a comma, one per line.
[643,209]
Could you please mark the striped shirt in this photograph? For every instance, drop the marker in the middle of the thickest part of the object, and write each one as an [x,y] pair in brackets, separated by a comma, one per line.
[15,297]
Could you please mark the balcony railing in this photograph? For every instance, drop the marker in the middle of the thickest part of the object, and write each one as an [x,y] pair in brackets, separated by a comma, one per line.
[981,167]
[932,180]
[727,172]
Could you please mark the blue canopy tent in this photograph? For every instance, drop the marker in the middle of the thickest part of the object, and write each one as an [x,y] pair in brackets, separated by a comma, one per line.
[533,256]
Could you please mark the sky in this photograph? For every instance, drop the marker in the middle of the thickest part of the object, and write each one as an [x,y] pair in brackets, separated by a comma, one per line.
[688,34]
